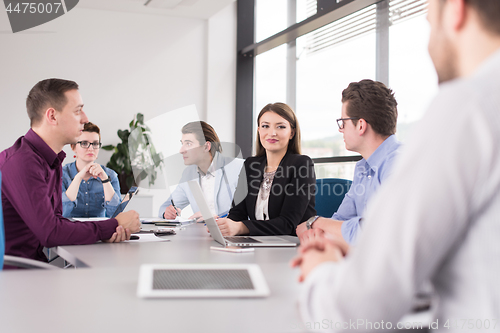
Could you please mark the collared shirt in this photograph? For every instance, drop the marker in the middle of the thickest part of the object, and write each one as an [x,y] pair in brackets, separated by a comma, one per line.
[435,218]
[90,198]
[368,175]
[226,170]
[32,202]
[207,184]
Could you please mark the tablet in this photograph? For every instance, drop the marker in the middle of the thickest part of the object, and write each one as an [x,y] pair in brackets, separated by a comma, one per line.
[201,281]
[126,199]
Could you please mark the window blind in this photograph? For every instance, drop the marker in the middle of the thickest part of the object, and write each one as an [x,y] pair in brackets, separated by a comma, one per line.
[360,23]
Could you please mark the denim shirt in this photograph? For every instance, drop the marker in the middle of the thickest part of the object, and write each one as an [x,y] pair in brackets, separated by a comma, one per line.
[368,175]
[90,199]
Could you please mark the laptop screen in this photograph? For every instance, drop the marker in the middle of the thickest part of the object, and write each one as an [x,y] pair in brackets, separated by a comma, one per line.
[126,199]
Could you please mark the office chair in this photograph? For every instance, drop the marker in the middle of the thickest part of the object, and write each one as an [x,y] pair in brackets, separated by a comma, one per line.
[12,260]
[329,195]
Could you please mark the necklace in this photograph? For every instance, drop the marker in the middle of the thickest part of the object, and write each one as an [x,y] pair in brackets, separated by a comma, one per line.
[268,180]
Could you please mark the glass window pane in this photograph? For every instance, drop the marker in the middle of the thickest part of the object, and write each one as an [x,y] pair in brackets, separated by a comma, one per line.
[270,80]
[321,77]
[305,9]
[411,72]
[271,17]
[343,170]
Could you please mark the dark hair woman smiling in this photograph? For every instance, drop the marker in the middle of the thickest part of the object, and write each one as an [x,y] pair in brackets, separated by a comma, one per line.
[280,181]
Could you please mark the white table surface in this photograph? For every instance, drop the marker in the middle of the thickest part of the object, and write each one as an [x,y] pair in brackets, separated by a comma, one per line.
[103,298]
[101,295]
[189,245]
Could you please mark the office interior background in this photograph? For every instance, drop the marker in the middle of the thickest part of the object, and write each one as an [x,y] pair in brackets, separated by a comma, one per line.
[229,58]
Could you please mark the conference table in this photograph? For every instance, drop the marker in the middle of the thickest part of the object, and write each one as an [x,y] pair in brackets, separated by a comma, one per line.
[100,294]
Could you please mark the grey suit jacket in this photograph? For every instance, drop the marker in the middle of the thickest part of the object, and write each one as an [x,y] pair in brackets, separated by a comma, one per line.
[226,178]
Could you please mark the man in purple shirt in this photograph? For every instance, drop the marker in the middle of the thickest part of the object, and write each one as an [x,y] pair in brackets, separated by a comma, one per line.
[31,174]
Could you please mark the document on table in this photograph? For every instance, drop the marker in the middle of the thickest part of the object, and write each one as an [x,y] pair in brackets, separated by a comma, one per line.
[178,219]
[144,237]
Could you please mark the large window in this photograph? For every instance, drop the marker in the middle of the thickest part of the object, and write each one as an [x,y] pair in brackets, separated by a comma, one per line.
[381,40]
[328,59]
[274,16]
[411,73]
[270,78]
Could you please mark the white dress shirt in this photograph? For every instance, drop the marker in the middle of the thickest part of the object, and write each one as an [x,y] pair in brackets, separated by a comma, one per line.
[226,170]
[437,217]
[207,184]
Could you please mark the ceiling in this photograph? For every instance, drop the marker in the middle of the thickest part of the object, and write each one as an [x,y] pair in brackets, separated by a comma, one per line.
[202,9]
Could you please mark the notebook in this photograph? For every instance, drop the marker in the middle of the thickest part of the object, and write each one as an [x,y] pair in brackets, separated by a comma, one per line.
[177,221]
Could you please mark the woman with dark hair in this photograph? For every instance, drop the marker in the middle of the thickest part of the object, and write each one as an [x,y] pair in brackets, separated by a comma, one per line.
[217,175]
[89,189]
[280,181]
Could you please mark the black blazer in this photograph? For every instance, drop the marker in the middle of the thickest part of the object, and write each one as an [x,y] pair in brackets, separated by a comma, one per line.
[291,200]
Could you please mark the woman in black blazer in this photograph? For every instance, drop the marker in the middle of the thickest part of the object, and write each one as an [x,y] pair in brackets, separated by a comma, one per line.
[280,181]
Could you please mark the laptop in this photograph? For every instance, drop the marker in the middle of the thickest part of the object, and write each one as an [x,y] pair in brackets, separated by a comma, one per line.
[125,201]
[201,280]
[241,241]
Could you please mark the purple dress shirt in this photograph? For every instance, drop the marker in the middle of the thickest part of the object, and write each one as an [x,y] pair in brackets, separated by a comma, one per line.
[32,202]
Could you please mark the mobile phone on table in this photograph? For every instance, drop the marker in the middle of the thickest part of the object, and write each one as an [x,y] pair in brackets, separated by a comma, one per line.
[166,224]
[163,232]
[234,249]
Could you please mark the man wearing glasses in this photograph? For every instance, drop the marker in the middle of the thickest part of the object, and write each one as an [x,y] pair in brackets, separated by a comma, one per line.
[368,124]
[89,189]
[31,178]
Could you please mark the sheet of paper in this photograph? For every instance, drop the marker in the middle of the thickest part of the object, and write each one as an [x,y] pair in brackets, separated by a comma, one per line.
[180,219]
[152,219]
[183,220]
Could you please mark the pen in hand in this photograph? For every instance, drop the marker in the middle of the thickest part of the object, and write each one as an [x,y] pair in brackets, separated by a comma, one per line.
[175,208]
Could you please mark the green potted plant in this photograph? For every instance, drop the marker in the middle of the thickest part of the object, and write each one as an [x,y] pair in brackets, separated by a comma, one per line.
[135,155]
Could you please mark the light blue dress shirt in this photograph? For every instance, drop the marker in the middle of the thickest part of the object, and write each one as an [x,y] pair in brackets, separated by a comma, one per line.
[90,199]
[368,175]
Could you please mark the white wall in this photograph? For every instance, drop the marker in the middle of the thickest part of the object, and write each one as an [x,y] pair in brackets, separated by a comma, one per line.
[124,63]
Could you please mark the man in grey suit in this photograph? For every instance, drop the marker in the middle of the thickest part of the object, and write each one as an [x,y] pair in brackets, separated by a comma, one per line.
[201,151]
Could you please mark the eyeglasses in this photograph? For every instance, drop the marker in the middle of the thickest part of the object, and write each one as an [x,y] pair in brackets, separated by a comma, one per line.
[86,144]
[340,121]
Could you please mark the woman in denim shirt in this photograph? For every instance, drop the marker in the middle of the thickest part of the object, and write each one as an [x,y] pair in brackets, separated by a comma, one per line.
[89,189]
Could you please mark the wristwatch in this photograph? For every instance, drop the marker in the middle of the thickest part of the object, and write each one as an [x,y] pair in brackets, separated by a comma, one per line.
[106,180]
[310,222]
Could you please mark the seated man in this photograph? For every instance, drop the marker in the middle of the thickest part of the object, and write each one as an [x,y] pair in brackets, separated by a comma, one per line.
[436,217]
[31,174]
[368,124]
[218,175]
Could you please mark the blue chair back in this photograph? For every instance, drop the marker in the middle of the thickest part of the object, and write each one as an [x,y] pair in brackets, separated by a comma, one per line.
[2,233]
[329,195]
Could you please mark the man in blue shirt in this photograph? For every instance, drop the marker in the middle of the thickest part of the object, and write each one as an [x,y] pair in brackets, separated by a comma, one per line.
[368,124]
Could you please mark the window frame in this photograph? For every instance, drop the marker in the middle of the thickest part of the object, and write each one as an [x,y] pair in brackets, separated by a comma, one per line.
[327,12]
